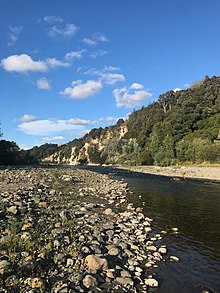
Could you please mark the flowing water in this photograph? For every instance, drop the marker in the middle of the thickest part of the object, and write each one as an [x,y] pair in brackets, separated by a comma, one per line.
[194,207]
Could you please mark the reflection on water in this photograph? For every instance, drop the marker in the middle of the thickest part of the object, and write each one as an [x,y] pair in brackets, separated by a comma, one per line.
[192,206]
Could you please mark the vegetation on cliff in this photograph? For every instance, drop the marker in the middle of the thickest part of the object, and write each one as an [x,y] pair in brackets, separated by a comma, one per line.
[181,127]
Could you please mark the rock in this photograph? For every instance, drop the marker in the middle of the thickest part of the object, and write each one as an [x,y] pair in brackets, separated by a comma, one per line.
[26,227]
[26,236]
[125,274]
[125,281]
[89,281]
[13,210]
[174,229]
[34,282]
[96,263]
[4,266]
[110,273]
[69,262]
[151,248]
[109,212]
[162,250]
[113,251]
[151,283]
[174,259]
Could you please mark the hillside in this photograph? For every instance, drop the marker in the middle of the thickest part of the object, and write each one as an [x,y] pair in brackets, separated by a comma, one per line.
[180,127]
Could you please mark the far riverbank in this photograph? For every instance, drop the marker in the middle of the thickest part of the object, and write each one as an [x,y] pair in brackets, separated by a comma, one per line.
[195,172]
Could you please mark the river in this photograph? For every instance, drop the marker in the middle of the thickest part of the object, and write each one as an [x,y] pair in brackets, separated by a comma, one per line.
[194,207]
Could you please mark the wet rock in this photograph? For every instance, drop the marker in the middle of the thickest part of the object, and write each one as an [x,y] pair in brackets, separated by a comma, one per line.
[162,250]
[151,283]
[174,259]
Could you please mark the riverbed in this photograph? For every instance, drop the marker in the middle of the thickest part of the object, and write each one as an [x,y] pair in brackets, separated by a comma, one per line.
[194,207]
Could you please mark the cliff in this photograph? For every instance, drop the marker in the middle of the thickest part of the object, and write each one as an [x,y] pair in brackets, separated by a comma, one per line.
[179,127]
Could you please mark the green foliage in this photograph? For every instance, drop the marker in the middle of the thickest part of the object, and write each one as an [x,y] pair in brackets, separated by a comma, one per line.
[180,127]
[43,151]
[9,153]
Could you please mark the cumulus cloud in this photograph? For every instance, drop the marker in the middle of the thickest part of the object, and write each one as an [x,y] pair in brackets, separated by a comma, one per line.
[48,127]
[53,63]
[26,118]
[70,56]
[112,78]
[136,86]
[53,19]
[95,39]
[43,84]
[23,63]
[80,90]
[111,68]
[98,53]
[130,97]
[78,121]
[89,42]
[107,75]
[14,34]
[67,31]
[46,139]
[99,37]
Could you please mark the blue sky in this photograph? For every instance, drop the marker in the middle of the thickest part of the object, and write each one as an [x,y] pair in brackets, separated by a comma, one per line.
[69,66]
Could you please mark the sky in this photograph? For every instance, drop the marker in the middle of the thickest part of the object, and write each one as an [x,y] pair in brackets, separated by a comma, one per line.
[72,65]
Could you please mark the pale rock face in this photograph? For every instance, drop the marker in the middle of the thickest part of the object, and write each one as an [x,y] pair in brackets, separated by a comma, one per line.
[100,143]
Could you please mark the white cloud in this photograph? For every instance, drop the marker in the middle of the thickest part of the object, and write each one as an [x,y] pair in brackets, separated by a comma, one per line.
[111,68]
[126,98]
[89,42]
[48,127]
[70,56]
[112,78]
[99,37]
[107,75]
[177,89]
[53,19]
[14,34]
[22,63]
[98,53]
[136,86]
[68,30]
[82,90]
[26,118]
[46,139]
[53,63]
[95,39]
[43,84]
[78,121]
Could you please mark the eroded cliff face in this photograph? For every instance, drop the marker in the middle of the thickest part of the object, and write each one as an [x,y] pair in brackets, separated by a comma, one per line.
[92,144]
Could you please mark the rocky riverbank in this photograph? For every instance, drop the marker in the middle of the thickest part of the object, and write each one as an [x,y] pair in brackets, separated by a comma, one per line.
[65,230]
[178,172]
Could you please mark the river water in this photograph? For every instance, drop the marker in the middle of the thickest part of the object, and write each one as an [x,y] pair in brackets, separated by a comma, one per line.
[194,207]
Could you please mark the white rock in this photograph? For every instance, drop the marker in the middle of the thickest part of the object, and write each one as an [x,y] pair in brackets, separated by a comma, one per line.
[151,283]
[174,259]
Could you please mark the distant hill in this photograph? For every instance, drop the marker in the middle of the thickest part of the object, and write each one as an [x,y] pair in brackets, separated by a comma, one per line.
[180,127]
